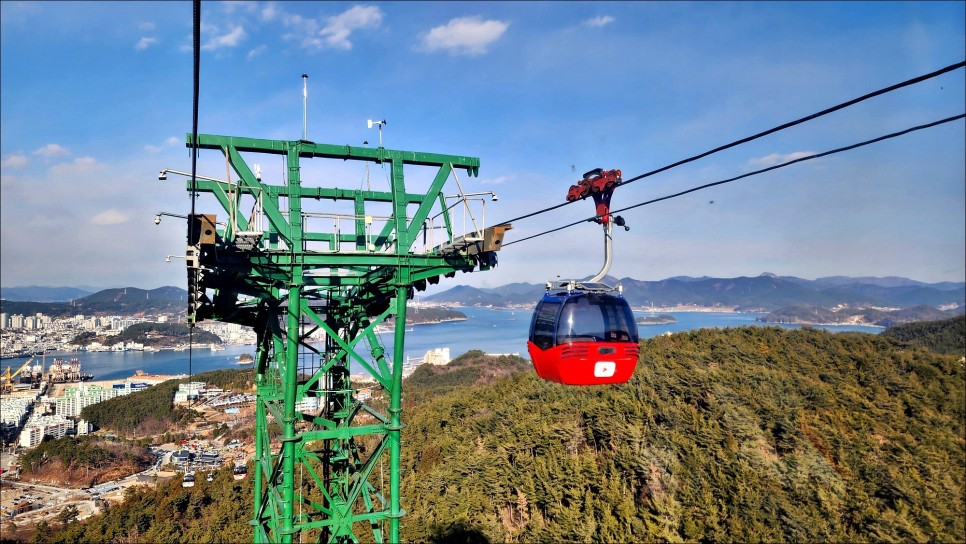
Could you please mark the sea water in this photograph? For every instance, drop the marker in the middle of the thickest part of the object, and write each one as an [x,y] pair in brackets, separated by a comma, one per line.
[118,365]
[505,331]
[493,331]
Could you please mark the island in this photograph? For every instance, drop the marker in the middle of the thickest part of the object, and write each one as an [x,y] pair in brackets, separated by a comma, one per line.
[429,315]
[663,319]
[149,335]
[424,315]
[245,359]
[845,315]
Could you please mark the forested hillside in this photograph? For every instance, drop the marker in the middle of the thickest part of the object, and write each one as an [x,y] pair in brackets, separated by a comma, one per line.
[152,411]
[212,512]
[152,334]
[755,434]
[747,435]
[83,461]
[946,336]
[472,368]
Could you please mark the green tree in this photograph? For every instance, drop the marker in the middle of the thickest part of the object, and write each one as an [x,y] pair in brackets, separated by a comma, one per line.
[67,515]
[42,534]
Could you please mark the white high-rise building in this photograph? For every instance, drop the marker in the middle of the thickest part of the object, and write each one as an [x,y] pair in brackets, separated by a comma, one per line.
[438,356]
[38,427]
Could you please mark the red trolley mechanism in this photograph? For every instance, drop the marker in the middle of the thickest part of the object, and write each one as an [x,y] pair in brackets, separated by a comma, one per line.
[584,333]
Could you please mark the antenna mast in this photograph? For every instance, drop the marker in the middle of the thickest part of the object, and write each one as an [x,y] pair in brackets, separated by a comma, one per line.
[305,99]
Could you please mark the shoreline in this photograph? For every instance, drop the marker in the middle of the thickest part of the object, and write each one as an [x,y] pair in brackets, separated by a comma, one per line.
[391,328]
[694,309]
[679,308]
[811,324]
[437,322]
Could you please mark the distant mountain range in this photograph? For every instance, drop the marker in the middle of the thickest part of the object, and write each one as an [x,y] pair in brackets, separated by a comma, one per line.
[34,293]
[763,293]
[123,301]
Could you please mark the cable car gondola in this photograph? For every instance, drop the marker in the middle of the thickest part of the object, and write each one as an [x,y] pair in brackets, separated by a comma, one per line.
[583,336]
[582,333]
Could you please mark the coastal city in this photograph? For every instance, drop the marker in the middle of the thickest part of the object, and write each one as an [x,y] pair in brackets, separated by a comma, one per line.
[46,387]
[36,334]
[52,411]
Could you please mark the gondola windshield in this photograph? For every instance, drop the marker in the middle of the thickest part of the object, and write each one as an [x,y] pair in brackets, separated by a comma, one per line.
[586,317]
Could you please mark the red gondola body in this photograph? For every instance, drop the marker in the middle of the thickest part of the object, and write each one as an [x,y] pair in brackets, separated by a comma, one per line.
[581,334]
[581,338]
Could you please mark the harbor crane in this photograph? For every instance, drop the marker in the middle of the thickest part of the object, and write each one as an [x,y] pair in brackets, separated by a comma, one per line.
[8,377]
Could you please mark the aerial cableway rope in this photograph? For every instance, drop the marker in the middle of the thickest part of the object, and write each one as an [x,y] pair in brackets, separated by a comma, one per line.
[749,174]
[789,124]
[196,43]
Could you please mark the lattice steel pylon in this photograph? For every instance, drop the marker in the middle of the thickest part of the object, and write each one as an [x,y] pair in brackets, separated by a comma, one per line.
[317,443]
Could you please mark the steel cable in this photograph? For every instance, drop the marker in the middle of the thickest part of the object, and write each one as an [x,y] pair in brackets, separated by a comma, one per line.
[749,174]
[789,124]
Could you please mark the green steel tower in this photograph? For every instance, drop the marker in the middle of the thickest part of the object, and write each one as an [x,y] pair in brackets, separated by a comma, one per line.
[314,269]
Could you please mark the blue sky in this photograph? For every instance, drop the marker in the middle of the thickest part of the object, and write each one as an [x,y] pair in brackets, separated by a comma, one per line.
[96,99]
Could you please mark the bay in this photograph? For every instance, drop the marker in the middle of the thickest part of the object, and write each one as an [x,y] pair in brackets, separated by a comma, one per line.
[493,331]
[118,365]
[504,331]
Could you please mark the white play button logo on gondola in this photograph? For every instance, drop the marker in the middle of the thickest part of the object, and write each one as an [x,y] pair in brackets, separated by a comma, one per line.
[604,369]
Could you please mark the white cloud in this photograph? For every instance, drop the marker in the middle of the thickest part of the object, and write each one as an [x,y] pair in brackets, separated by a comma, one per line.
[255,52]
[110,217]
[80,165]
[269,12]
[497,181]
[145,42]
[52,150]
[599,21]
[338,28]
[229,5]
[777,158]
[303,29]
[230,39]
[170,141]
[18,160]
[146,26]
[463,36]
